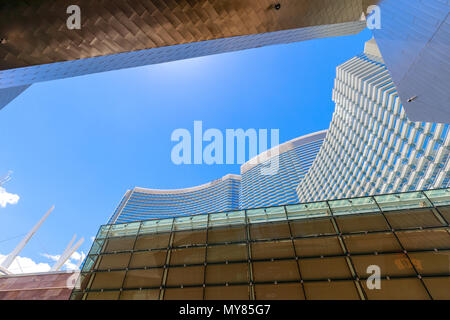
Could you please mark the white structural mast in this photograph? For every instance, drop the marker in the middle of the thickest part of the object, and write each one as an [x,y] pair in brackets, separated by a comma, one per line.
[64,257]
[6,178]
[10,258]
[67,253]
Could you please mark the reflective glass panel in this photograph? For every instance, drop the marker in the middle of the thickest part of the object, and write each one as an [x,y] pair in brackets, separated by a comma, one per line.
[103,231]
[191,222]
[266,215]
[439,197]
[226,218]
[154,226]
[96,246]
[402,201]
[308,210]
[227,293]
[126,229]
[227,234]
[89,263]
[353,206]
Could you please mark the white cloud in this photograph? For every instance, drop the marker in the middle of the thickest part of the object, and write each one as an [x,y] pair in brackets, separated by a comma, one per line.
[7,198]
[72,263]
[25,265]
[76,256]
[75,260]
[51,257]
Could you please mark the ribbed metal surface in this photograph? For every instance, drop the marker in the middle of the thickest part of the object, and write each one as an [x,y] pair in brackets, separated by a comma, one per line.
[36,44]
[60,70]
[36,31]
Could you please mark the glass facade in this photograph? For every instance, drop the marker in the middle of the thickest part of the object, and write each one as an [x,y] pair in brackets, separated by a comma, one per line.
[310,251]
[232,192]
[371,146]
[143,204]
[294,159]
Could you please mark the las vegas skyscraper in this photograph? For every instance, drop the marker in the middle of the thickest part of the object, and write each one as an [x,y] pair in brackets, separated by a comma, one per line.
[370,148]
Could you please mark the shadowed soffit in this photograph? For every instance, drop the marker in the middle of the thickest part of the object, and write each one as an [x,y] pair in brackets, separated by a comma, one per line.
[35,32]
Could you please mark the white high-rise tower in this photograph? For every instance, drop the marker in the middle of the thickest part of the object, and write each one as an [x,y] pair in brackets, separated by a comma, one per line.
[371,147]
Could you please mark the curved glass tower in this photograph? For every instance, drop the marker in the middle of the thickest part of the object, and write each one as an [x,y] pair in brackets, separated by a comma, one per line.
[371,146]
[232,192]
[142,204]
[295,157]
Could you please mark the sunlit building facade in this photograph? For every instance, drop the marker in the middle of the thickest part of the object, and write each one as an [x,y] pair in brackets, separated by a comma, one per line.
[253,188]
[414,39]
[371,147]
[142,203]
[37,45]
[309,251]
[290,163]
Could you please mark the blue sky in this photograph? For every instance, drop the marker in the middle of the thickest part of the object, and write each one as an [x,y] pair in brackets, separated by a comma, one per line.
[80,143]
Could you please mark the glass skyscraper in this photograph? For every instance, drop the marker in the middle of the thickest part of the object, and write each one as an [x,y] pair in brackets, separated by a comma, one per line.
[371,147]
[250,190]
[141,203]
[294,160]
